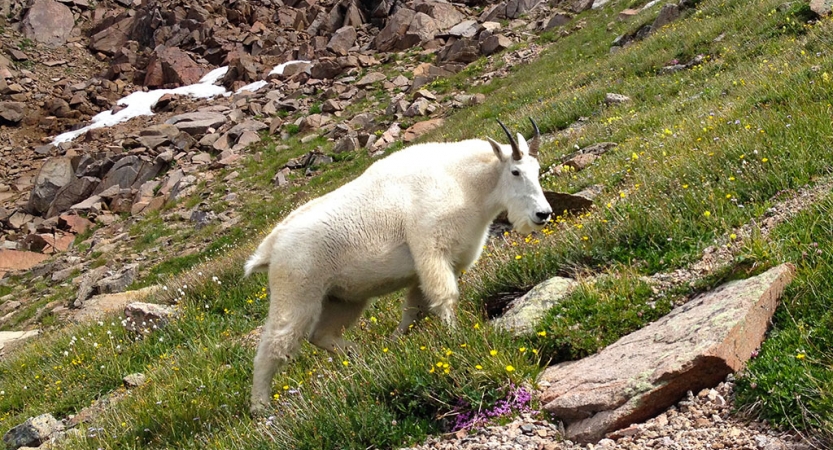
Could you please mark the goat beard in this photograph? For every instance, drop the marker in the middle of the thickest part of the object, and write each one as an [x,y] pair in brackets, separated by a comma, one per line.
[522,223]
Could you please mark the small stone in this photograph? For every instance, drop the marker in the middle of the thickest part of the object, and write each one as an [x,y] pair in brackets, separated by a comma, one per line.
[134,380]
[612,98]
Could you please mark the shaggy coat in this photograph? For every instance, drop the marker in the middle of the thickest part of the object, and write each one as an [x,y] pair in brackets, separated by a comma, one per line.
[415,219]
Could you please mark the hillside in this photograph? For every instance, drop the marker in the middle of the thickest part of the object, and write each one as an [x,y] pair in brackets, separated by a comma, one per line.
[718,168]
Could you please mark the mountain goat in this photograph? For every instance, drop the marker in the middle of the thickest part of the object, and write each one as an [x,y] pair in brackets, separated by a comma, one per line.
[415,219]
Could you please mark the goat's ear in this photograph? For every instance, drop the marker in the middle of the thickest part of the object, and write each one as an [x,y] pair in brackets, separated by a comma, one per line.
[496,147]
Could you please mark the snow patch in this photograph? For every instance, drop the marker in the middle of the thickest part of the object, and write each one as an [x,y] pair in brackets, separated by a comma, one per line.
[141,103]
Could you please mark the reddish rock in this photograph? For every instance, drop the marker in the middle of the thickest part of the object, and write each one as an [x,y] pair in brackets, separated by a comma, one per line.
[692,348]
[110,39]
[73,223]
[172,66]
[626,14]
[418,129]
[326,68]
[342,40]
[14,260]
[460,50]
[397,26]
[241,67]
[57,242]
[48,22]
[12,112]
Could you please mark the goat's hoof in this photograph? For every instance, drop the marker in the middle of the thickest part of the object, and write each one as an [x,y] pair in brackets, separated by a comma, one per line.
[259,409]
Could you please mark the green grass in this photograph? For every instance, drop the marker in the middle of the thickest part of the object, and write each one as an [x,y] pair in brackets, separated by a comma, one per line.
[790,382]
[701,152]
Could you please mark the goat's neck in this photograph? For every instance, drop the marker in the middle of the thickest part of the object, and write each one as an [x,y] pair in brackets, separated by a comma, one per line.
[490,198]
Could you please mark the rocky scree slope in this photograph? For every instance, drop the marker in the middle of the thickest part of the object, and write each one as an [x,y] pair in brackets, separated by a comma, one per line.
[365,75]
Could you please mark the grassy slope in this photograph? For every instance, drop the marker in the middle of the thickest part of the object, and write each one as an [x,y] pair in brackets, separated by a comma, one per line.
[701,152]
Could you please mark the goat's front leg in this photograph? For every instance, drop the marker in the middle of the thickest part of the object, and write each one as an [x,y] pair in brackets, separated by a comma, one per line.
[439,286]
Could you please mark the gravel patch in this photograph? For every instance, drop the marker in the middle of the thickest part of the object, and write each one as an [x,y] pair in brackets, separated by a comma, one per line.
[699,421]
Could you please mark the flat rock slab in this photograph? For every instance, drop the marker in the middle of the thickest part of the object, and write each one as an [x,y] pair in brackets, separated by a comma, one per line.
[13,260]
[692,348]
[10,337]
[99,306]
[197,123]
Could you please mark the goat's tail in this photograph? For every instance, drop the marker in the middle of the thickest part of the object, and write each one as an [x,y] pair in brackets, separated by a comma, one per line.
[259,261]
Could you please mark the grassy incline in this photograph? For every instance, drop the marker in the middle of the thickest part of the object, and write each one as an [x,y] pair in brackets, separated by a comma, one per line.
[701,152]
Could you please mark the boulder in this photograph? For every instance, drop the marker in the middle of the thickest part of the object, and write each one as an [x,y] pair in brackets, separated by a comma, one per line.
[821,7]
[421,30]
[396,27]
[72,193]
[667,14]
[325,68]
[465,29]
[524,313]
[580,162]
[242,69]
[418,129]
[48,22]
[129,172]
[348,143]
[134,380]
[87,286]
[143,317]
[460,50]
[113,38]
[197,123]
[517,8]
[578,6]
[171,66]
[418,108]
[17,260]
[445,14]
[73,223]
[558,19]
[118,282]
[52,176]
[613,98]
[33,432]
[694,347]
[12,337]
[12,112]
[494,43]
[370,78]
[342,40]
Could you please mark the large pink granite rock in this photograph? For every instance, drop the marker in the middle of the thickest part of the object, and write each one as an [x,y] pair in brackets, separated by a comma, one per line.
[692,348]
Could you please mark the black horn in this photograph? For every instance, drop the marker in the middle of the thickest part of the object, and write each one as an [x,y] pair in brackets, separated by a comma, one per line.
[516,152]
[536,140]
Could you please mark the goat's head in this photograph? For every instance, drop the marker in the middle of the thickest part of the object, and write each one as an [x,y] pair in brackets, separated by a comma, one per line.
[518,188]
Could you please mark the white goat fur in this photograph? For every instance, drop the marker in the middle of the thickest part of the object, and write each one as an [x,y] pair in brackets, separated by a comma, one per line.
[415,219]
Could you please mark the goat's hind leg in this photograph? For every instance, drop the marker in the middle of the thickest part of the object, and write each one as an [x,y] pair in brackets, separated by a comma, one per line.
[336,316]
[291,314]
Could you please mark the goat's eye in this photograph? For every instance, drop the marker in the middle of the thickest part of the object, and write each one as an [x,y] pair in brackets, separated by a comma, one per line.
[516,172]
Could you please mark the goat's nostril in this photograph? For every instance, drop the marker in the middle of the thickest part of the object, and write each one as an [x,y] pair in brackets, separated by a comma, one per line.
[544,215]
